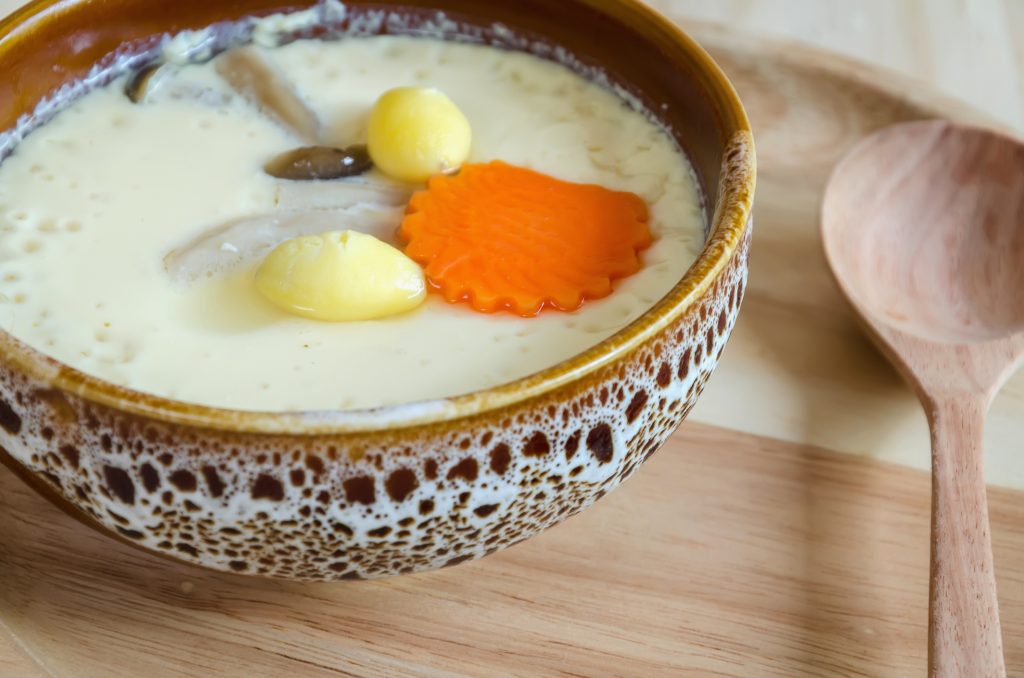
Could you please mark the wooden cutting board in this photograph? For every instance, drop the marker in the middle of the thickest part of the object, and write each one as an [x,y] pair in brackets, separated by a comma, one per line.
[728,554]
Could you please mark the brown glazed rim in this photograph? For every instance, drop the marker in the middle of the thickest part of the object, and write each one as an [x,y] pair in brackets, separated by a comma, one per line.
[729,223]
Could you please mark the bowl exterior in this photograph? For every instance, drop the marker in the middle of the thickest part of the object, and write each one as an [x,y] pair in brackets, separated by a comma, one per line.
[373,505]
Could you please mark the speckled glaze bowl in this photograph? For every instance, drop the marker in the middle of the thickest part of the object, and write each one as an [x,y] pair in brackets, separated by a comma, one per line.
[331,495]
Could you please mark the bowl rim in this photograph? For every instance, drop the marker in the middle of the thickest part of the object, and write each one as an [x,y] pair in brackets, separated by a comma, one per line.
[728,227]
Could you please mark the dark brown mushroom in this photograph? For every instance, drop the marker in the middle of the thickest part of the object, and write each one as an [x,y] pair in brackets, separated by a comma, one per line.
[312,163]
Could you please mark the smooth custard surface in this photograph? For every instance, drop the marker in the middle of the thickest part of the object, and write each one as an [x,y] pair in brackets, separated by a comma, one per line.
[92,202]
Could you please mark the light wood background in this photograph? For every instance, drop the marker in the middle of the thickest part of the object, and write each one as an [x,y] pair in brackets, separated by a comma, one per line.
[970,49]
[824,390]
[727,555]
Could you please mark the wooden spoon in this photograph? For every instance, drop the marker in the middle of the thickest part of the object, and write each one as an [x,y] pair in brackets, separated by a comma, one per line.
[923,225]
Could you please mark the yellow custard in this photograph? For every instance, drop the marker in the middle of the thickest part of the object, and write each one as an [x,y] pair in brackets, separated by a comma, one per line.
[96,204]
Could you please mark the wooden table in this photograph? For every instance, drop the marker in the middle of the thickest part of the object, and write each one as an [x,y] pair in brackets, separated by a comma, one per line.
[740,549]
[823,391]
[972,50]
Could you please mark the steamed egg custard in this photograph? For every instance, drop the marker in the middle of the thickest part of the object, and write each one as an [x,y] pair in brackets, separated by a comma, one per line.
[340,224]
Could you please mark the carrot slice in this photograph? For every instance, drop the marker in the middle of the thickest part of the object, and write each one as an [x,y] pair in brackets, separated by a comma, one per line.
[502,237]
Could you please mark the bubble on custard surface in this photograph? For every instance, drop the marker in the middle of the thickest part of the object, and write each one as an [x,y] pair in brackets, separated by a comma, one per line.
[32,246]
[73,226]
[128,353]
[64,144]
[395,49]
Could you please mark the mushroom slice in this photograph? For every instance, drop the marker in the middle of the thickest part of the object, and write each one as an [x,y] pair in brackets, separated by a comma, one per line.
[158,82]
[247,240]
[332,195]
[250,75]
[312,163]
[143,82]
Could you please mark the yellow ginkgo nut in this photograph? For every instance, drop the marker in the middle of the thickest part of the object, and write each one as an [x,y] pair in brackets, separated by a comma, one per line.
[341,276]
[417,132]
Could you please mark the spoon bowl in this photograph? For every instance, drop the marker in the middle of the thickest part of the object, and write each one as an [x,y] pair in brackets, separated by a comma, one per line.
[923,225]
[926,227]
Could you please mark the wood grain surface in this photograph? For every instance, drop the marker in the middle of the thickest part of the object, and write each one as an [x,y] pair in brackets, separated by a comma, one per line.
[14,660]
[969,49]
[728,554]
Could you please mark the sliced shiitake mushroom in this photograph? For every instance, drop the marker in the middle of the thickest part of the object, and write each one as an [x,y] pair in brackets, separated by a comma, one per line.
[333,195]
[312,163]
[249,74]
[144,81]
[159,82]
[375,208]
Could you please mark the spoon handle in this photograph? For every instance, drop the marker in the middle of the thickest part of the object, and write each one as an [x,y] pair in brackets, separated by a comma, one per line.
[964,637]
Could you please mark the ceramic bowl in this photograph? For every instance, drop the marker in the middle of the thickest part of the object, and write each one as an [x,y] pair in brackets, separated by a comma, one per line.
[356,495]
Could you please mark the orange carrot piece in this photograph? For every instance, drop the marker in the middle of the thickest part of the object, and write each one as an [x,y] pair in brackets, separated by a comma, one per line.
[502,237]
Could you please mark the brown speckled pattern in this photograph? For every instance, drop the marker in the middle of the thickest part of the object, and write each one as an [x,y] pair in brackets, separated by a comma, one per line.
[360,507]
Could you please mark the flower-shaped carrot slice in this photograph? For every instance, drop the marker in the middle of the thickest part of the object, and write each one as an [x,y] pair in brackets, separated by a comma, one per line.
[507,238]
